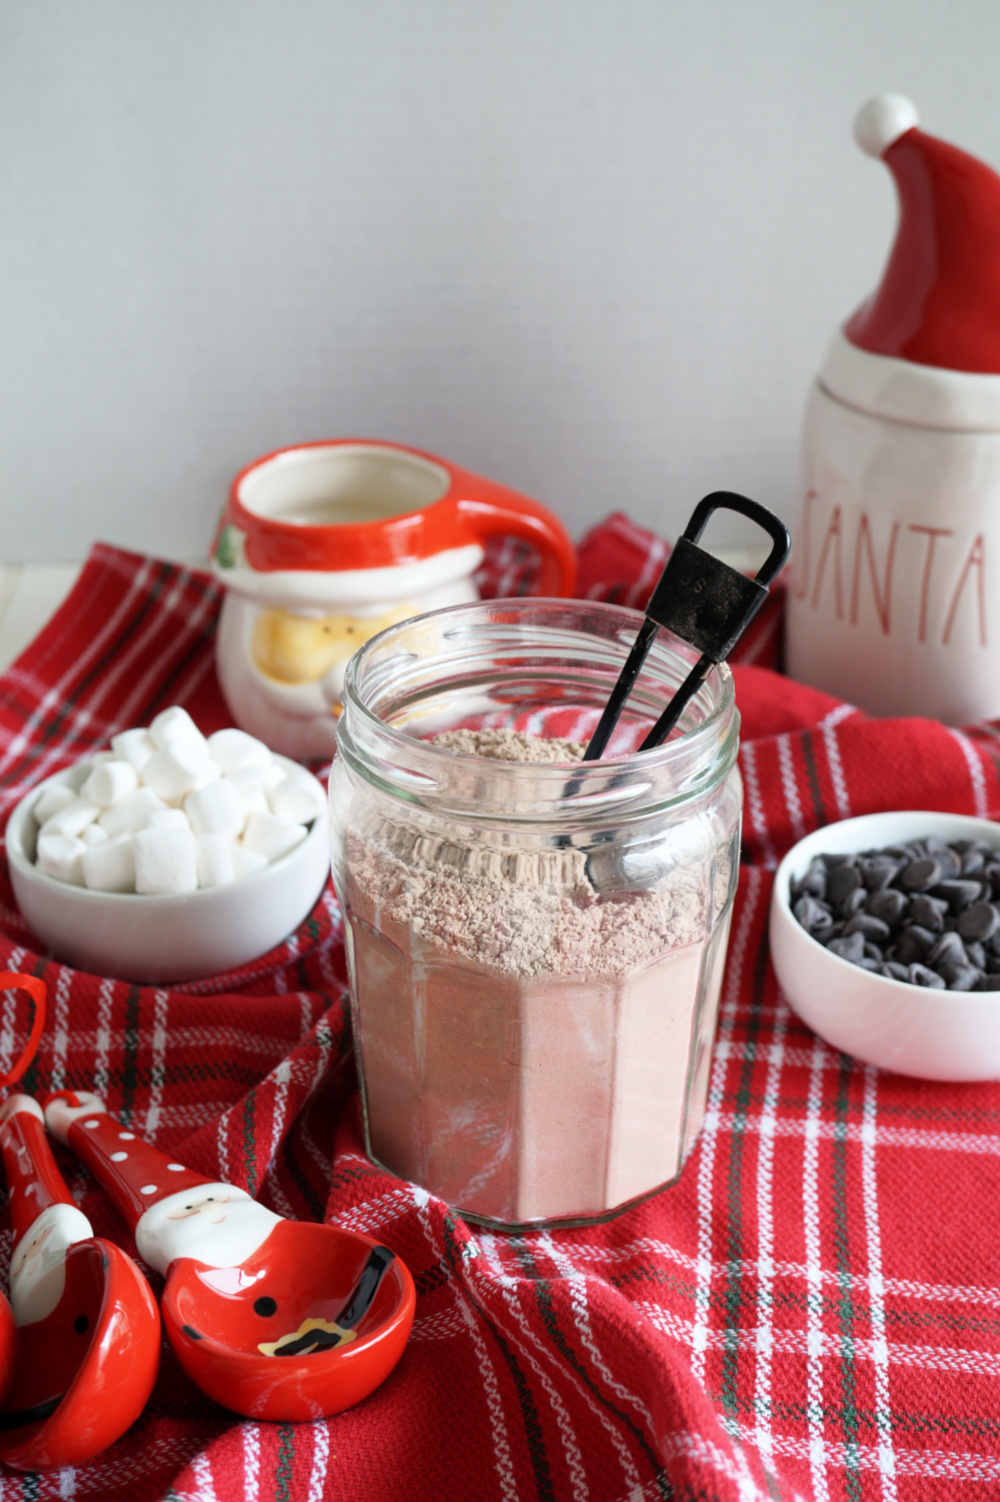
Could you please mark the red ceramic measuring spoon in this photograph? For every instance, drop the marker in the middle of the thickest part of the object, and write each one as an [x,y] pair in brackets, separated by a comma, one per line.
[34,989]
[88,1325]
[276,1319]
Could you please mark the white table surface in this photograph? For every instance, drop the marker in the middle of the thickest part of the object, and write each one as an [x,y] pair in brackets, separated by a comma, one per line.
[29,595]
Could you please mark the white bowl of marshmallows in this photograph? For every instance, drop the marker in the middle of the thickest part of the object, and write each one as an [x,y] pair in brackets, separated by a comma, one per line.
[171,856]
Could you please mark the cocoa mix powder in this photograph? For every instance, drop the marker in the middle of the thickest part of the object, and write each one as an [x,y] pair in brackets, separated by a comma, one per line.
[526,913]
[527,1043]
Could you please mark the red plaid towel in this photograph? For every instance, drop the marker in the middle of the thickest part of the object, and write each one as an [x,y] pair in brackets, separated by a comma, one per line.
[812,1311]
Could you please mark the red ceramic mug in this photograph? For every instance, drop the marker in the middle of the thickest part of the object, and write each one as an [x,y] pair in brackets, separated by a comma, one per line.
[324,545]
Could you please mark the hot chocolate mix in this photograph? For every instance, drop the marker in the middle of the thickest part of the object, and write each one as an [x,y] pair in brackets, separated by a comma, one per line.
[528,1043]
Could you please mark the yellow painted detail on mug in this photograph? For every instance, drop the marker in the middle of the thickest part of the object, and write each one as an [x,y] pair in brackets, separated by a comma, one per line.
[294,649]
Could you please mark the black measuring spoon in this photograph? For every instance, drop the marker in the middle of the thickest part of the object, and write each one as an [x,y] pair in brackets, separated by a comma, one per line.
[705,602]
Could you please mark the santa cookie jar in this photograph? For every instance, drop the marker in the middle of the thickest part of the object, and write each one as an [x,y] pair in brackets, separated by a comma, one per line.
[322,546]
[895,597]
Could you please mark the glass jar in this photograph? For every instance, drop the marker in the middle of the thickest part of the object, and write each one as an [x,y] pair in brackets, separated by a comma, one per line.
[535,950]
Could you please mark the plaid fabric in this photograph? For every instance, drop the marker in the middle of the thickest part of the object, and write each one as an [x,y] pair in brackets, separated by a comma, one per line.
[813,1311]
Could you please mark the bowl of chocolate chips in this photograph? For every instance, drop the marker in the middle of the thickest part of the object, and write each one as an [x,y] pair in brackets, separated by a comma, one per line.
[885,938]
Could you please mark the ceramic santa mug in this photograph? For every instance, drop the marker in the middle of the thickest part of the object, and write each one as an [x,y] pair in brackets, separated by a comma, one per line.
[322,546]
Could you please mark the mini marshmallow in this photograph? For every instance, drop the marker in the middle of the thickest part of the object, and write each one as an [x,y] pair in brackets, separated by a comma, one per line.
[297,801]
[52,801]
[165,861]
[61,856]
[215,860]
[110,783]
[247,862]
[167,818]
[132,813]
[210,772]
[215,809]
[73,819]
[174,726]
[272,775]
[95,835]
[234,750]
[110,867]
[249,791]
[135,746]
[176,769]
[272,837]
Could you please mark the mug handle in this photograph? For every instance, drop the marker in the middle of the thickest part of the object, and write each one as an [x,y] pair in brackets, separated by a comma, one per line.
[36,991]
[492,510]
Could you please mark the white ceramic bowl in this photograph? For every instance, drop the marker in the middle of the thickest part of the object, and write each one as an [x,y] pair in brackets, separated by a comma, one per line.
[936,1035]
[169,938]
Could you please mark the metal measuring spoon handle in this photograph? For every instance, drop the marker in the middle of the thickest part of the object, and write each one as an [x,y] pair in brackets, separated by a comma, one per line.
[705,602]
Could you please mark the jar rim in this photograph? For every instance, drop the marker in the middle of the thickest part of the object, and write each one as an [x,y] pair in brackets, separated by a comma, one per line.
[399,745]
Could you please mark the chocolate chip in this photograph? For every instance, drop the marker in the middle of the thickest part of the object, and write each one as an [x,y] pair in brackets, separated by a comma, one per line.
[972,860]
[957,894]
[814,916]
[833,861]
[853,903]
[913,944]
[920,875]
[841,882]
[877,873]
[929,912]
[980,920]
[813,883]
[894,971]
[988,983]
[959,977]
[919,975]
[949,950]
[950,863]
[874,952]
[849,947]
[975,953]
[891,906]
[874,930]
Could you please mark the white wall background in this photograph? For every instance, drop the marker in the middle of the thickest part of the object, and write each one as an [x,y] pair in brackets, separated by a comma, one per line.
[592,248]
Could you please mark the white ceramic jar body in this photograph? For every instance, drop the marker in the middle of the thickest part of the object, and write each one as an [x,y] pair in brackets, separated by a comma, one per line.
[894,603]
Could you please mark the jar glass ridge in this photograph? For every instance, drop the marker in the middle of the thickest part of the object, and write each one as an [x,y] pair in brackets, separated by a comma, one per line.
[535,949]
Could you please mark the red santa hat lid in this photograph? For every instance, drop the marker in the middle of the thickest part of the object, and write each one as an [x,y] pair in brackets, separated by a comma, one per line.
[939,300]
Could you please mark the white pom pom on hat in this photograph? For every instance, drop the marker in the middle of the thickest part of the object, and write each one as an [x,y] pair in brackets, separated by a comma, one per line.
[882,120]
